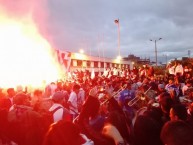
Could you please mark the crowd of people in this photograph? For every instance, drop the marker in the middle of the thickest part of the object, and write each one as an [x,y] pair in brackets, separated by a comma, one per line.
[120,107]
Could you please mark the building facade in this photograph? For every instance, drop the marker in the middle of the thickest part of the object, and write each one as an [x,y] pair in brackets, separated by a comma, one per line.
[84,62]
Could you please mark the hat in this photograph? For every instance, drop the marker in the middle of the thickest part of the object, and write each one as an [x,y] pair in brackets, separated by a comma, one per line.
[57,96]
[20,99]
[161,86]
[139,84]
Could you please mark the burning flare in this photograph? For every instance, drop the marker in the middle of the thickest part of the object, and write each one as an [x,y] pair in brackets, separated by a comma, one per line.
[26,58]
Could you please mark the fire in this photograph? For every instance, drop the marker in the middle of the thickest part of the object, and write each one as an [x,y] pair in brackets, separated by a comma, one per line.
[26,58]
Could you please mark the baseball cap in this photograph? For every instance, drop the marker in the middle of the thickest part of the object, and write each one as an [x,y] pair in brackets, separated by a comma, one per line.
[57,96]
[161,86]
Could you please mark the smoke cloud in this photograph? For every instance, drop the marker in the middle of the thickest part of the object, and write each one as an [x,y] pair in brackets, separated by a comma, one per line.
[27,11]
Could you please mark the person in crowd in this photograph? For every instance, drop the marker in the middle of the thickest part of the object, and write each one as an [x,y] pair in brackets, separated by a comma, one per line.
[187,85]
[125,96]
[190,115]
[59,86]
[142,72]
[2,94]
[7,102]
[135,71]
[134,85]
[173,90]
[166,103]
[81,98]
[179,69]
[178,112]
[90,118]
[115,71]
[177,133]
[188,76]
[150,71]
[115,128]
[153,83]
[50,89]
[161,89]
[65,133]
[171,69]
[59,112]
[186,71]
[36,97]
[147,131]
[91,121]
[73,101]
[25,125]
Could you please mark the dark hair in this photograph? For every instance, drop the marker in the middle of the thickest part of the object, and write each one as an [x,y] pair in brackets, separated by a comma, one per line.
[180,111]
[76,87]
[165,101]
[177,133]
[21,99]
[118,120]
[90,108]
[146,131]
[9,90]
[63,133]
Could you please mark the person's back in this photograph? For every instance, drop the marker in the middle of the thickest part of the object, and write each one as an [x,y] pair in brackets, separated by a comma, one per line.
[178,112]
[65,133]
[177,133]
[190,115]
[73,101]
[146,131]
[25,126]
[59,112]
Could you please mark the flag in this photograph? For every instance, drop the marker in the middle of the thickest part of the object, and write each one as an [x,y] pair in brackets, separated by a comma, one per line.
[116,21]
[64,58]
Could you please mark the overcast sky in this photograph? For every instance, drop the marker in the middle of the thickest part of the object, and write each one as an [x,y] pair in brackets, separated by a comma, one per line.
[89,24]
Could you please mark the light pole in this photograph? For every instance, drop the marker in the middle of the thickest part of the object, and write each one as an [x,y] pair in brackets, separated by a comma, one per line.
[117,23]
[166,58]
[155,49]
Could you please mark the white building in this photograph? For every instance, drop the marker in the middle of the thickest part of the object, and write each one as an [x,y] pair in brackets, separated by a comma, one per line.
[81,61]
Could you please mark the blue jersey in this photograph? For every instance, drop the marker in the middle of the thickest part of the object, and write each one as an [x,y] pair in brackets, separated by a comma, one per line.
[169,87]
[126,96]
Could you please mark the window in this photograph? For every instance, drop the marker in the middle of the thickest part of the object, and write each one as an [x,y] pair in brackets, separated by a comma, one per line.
[88,63]
[95,63]
[79,63]
[108,65]
[102,64]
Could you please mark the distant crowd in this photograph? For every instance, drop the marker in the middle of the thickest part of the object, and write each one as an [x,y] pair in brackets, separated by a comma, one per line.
[118,107]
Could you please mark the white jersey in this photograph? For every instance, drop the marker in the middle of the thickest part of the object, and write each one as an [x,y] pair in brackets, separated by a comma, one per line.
[179,69]
[58,115]
[171,70]
[73,100]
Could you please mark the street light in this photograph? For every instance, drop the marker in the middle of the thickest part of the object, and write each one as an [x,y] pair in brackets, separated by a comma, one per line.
[166,58]
[81,51]
[117,23]
[155,49]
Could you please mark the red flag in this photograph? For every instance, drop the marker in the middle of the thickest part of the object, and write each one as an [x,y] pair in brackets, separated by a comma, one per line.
[64,58]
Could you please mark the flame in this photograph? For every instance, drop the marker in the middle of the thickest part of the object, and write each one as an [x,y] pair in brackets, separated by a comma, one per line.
[26,58]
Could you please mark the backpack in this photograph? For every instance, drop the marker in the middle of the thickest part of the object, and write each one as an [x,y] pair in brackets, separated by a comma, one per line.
[47,117]
[24,126]
[3,125]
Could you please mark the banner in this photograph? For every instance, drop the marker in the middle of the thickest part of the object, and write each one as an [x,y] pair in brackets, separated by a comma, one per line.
[64,58]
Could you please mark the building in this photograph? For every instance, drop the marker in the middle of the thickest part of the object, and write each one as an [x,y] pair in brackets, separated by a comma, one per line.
[136,60]
[82,61]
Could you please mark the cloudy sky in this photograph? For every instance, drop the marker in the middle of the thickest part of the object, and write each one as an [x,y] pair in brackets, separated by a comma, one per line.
[89,24]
